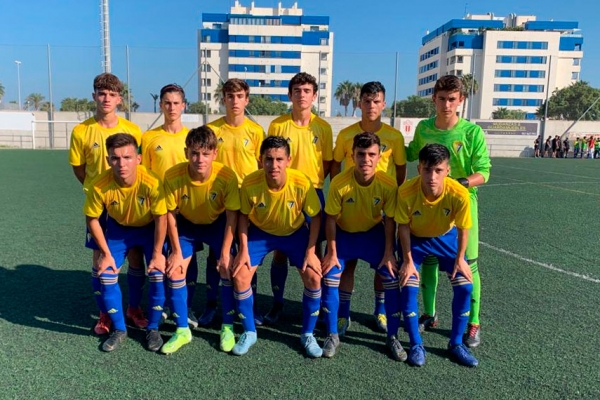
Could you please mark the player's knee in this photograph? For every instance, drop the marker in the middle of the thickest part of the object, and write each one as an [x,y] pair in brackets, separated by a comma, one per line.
[311,279]
[243,279]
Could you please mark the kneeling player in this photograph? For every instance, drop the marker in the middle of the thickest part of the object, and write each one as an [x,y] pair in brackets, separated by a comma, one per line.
[274,202]
[134,200]
[203,202]
[433,213]
[355,228]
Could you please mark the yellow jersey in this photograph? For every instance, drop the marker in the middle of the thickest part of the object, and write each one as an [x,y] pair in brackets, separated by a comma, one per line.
[433,218]
[359,207]
[88,145]
[392,147]
[238,146]
[309,145]
[201,203]
[162,150]
[129,206]
[279,213]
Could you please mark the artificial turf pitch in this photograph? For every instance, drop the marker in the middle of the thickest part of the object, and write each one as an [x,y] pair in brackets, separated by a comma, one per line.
[540,266]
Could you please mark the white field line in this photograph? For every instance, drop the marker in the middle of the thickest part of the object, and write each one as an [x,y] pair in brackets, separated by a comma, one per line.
[538,183]
[552,186]
[540,264]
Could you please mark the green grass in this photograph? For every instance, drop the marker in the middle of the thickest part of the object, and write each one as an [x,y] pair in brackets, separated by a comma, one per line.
[539,332]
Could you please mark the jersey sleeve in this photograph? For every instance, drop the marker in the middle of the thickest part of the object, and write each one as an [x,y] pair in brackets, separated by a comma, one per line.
[170,200]
[312,204]
[245,203]
[157,196]
[480,161]
[399,151]
[232,195]
[338,150]
[94,204]
[76,152]
[389,207]
[273,130]
[462,219]
[327,143]
[401,213]
[146,159]
[259,137]
[333,203]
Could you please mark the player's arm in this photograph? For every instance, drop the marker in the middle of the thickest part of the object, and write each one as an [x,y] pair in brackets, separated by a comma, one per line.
[242,260]
[400,174]
[335,169]
[407,269]
[331,259]
[106,260]
[160,233]
[460,265]
[480,161]
[389,260]
[310,257]
[224,263]
[175,260]
[79,171]
[326,168]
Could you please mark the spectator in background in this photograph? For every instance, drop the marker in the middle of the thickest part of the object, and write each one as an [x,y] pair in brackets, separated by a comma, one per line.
[554,146]
[591,146]
[566,147]
[576,147]
[559,149]
[583,147]
[597,148]
[548,147]
[536,147]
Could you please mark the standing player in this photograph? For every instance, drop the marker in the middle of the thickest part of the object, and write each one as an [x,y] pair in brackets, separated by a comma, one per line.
[203,202]
[239,141]
[355,229]
[433,219]
[274,202]
[162,148]
[311,141]
[134,200]
[87,156]
[392,162]
[470,166]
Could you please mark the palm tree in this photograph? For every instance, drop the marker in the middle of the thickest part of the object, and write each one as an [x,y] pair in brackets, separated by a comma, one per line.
[343,93]
[154,97]
[470,86]
[1,91]
[35,100]
[218,95]
[124,106]
[355,97]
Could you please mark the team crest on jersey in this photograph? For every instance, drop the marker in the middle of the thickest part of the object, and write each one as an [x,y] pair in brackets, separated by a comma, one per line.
[416,213]
[383,147]
[457,146]
[141,200]
[213,195]
[291,204]
[158,148]
[376,200]
[246,141]
[95,145]
[185,197]
[261,205]
[350,200]
[446,211]
[315,139]
[114,203]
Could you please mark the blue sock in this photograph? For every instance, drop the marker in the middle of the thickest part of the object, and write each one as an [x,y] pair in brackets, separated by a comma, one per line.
[244,301]
[97,288]
[212,281]
[410,309]
[227,302]
[379,302]
[156,299]
[331,305]
[191,278]
[311,301]
[136,277]
[113,300]
[178,296]
[344,310]
[391,287]
[461,306]
[279,273]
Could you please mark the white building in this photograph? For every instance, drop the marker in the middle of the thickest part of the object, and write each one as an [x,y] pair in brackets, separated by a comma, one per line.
[265,47]
[516,60]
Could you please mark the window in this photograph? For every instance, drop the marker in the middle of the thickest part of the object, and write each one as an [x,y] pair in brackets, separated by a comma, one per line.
[314,28]
[324,42]
[577,61]
[205,68]
[575,76]
[429,54]
[323,71]
[522,45]
[323,86]
[459,59]
[205,53]
[206,39]
[322,99]
[459,72]
[324,56]
[206,82]
[521,59]
[206,96]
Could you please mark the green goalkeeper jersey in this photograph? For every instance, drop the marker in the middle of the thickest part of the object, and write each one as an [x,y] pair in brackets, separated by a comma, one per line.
[465,141]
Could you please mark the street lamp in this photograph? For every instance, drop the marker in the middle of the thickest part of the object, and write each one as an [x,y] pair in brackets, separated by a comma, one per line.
[19,80]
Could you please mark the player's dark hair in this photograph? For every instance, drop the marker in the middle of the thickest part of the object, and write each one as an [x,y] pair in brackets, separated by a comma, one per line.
[303,78]
[433,154]
[274,142]
[119,140]
[234,85]
[172,88]
[365,140]
[372,88]
[108,81]
[448,83]
[202,137]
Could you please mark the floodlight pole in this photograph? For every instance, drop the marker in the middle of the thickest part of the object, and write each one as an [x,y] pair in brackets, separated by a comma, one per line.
[395,93]
[19,81]
[51,105]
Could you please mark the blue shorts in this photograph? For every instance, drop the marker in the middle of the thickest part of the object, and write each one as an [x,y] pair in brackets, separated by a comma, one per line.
[261,243]
[192,236]
[121,239]
[90,243]
[444,248]
[323,216]
[368,246]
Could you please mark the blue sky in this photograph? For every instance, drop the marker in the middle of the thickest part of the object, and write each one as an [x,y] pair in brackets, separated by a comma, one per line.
[162,37]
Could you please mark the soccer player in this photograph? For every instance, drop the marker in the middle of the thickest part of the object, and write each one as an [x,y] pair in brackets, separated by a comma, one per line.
[433,219]
[274,202]
[355,227]
[203,202]
[470,165]
[311,142]
[576,147]
[392,162]
[134,200]
[87,156]
[162,148]
[239,140]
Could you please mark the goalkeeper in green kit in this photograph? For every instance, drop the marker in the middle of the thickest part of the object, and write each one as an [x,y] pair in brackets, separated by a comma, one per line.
[470,165]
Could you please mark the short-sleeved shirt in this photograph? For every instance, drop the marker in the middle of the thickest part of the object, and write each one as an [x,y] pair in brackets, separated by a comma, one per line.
[359,207]
[238,146]
[280,212]
[162,150]
[433,218]
[393,152]
[129,206]
[88,145]
[465,141]
[309,145]
[201,203]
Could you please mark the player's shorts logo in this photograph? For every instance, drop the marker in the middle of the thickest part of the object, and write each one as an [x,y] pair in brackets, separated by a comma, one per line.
[457,146]
[446,211]
[213,195]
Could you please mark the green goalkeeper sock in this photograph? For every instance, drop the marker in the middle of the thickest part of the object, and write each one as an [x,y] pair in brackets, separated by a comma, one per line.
[429,284]
[475,295]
